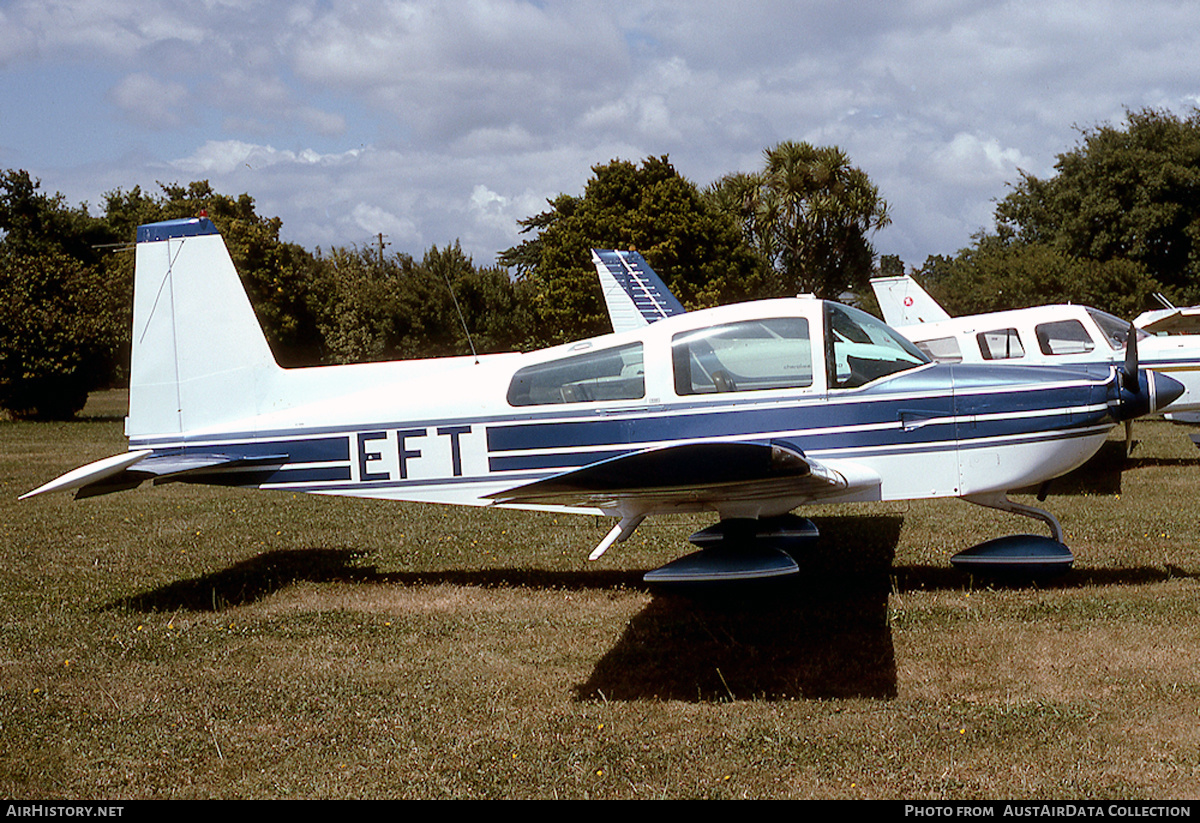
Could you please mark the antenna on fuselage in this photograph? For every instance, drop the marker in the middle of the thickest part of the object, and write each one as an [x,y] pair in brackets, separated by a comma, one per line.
[461,319]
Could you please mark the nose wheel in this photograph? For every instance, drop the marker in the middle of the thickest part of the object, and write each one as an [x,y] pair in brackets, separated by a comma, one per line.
[1016,554]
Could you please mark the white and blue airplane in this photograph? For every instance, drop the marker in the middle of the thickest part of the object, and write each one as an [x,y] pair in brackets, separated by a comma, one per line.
[747,411]
[1053,335]
[1040,335]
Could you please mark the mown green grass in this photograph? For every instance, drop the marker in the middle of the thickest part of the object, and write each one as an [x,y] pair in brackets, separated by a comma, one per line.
[190,642]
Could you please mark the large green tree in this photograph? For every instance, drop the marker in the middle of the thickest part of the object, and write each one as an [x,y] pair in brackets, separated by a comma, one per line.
[34,222]
[1128,192]
[995,275]
[697,250]
[486,302]
[58,332]
[370,307]
[809,213]
[61,312]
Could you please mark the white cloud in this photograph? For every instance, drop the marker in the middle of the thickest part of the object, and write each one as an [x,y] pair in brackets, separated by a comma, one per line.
[150,102]
[485,200]
[971,160]
[373,220]
[114,28]
[446,69]
[224,156]
[444,120]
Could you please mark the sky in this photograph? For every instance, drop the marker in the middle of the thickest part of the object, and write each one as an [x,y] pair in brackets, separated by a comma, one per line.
[431,122]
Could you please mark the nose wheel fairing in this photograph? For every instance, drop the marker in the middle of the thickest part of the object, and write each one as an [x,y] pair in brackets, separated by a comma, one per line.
[1016,554]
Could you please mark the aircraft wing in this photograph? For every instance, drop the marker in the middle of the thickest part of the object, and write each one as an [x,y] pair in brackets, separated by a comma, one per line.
[690,476]
[634,294]
[1170,321]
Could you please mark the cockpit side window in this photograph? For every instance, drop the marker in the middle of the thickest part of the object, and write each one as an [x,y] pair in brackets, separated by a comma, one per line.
[1001,344]
[754,355]
[941,349]
[1063,337]
[610,374]
[860,348]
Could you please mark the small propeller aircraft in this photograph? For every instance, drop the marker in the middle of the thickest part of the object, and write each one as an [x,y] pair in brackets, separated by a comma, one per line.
[748,411]
[1041,335]
[1048,335]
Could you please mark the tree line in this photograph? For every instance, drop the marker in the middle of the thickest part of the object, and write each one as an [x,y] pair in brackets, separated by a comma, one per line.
[1117,222]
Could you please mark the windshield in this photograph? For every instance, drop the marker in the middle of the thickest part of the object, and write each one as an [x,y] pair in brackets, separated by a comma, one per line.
[1115,330]
[859,348]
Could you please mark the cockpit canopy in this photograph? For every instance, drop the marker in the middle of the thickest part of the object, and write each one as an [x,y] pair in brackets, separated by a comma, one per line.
[735,355]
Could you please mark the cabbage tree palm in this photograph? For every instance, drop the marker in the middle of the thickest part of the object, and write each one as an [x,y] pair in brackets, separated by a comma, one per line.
[809,213]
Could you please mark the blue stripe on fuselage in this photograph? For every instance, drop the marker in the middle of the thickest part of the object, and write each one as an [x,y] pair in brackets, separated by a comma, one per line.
[856,418]
[934,409]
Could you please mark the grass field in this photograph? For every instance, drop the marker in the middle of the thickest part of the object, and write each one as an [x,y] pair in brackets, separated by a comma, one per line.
[184,642]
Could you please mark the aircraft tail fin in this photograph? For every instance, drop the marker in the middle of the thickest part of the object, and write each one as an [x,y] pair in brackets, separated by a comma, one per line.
[634,294]
[199,354]
[905,303]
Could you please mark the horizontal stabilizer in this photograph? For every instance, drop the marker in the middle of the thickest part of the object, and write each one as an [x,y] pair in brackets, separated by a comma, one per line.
[91,473]
[634,294]
[164,466]
[127,471]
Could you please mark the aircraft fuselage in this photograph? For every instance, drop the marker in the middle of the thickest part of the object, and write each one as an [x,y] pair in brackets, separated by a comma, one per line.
[448,431]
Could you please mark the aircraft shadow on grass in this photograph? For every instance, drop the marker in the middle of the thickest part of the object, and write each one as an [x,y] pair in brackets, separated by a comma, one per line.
[821,634]
[257,578]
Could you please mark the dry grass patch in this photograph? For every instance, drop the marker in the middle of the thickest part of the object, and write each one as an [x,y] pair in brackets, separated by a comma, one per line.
[187,642]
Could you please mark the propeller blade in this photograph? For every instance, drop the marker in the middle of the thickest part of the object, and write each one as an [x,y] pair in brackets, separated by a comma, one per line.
[1131,360]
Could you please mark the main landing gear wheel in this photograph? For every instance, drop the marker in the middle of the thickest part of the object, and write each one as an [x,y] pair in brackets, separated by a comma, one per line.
[739,550]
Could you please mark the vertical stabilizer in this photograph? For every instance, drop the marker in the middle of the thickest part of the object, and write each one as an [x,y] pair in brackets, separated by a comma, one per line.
[199,355]
[904,303]
[634,294]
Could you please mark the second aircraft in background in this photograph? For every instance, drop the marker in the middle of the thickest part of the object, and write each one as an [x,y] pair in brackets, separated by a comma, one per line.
[1056,335]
